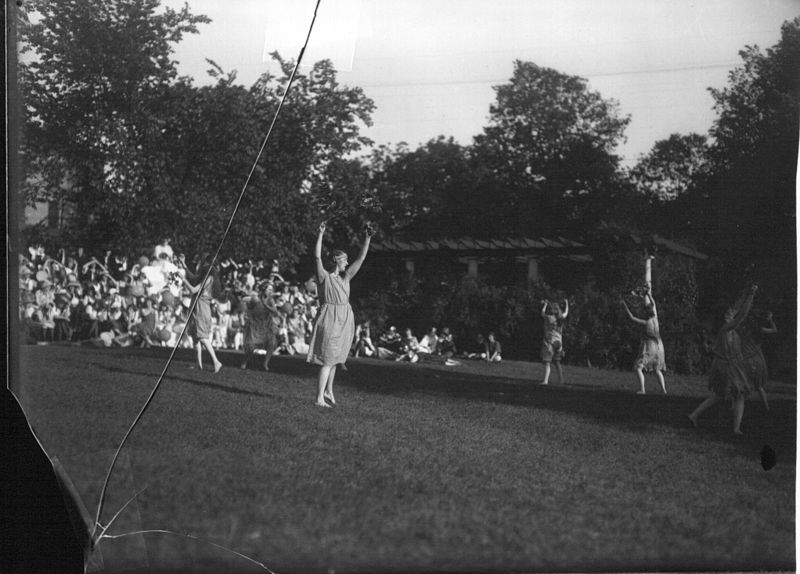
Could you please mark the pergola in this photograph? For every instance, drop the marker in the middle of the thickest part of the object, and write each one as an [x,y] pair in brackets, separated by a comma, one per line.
[473,252]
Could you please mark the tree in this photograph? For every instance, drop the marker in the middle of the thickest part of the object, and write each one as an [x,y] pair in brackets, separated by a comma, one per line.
[754,159]
[550,147]
[427,192]
[149,154]
[672,167]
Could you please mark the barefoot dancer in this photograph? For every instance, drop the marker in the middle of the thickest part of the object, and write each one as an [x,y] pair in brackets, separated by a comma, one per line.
[201,327]
[728,378]
[261,326]
[334,327]
[552,343]
[651,355]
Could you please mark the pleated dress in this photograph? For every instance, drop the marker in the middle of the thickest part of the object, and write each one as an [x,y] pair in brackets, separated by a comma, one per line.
[334,327]
[651,351]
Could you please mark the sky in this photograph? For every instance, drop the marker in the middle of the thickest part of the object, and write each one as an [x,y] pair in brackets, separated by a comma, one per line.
[430,65]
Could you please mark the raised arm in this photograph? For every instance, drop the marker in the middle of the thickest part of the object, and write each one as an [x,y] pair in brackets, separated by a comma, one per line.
[744,309]
[771,328]
[630,315]
[192,289]
[356,265]
[318,254]
[565,312]
[544,309]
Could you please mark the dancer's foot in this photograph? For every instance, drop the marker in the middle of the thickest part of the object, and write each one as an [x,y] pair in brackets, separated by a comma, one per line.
[692,420]
[266,365]
[322,404]
[640,393]
[217,366]
[737,433]
[329,396]
[244,365]
[544,383]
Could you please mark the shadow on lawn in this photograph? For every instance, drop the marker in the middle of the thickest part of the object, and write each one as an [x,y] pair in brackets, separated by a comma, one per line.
[775,428]
[207,384]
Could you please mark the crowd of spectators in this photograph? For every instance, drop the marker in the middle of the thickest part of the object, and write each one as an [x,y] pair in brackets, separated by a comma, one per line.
[115,300]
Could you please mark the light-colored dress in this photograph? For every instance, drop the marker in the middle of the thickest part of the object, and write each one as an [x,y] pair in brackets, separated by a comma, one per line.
[202,324]
[334,327]
[552,343]
[728,378]
[651,352]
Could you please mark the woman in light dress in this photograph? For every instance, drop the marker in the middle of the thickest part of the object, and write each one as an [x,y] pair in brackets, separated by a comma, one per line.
[334,327]
[651,354]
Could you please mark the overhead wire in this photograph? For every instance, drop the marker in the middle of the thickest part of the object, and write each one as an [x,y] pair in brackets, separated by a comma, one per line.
[97,523]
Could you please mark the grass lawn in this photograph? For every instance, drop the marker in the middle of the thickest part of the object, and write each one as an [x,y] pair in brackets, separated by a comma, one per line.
[419,467]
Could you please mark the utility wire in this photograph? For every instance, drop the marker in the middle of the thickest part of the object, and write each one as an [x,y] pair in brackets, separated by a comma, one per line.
[205,280]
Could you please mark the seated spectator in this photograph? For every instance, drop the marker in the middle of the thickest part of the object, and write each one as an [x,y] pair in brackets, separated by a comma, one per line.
[409,348]
[364,346]
[297,333]
[479,350]
[62,330]
[429,343]
[391,340]
[447,346]
[493,349]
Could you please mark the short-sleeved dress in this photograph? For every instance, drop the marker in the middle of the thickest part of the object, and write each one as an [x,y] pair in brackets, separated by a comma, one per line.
[651,352]
[202,324]
[334,327]
[552,343]
[728,378]
[260,327]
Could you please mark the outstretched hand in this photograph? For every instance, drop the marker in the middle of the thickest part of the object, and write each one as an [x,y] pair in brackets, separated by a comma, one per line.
[369,230]
[322,227]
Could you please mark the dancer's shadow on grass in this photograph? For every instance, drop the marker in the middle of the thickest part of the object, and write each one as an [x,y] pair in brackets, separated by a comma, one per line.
[192,381]
[775,427]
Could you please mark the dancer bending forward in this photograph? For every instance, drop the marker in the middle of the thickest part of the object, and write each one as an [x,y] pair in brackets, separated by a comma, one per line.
[334,327]
[651,354]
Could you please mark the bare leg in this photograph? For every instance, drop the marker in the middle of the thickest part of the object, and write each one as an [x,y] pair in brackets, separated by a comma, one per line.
[272,344]
[246,360]
[329,386]
[640,376]
[660,376]
[210,349]
[763,393]
[559,372]
[199,348]
[738,411]
[546,373]
[324,372]
[706,404]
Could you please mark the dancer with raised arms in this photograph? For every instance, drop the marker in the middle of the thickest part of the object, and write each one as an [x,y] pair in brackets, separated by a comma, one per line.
[651,353]
[729,378]
[334,327]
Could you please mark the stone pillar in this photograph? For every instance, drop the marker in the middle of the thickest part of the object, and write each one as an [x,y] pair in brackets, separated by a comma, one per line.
[410,266]
[533,269]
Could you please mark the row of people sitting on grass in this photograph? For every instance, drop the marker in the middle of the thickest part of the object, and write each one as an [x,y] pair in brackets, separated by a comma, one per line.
[433,346]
